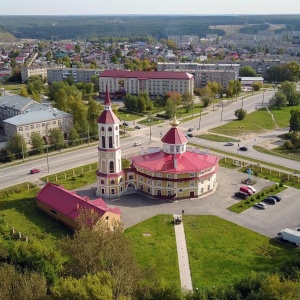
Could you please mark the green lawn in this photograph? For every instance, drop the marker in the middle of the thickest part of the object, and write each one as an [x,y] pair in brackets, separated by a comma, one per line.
[74,178]
[19,210]
[127,116]
[154,246]
[14,88]
[216,138]
[282,116]
[154,121]
[219,251]
[257,122]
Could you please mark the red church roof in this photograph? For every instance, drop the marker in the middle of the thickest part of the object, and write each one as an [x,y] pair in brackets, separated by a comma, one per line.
[108,117]
[174,136]
[107,97]
[69,203]
[187,162]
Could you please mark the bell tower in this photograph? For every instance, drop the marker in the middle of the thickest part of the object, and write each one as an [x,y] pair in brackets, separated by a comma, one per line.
[110,182]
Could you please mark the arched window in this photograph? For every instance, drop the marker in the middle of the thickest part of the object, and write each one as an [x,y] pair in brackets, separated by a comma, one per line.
[121,179]
[102,181]
[109,129]
[112,182]
[116,127]
[111,167]
[103,167]
[130,177]
[102,128]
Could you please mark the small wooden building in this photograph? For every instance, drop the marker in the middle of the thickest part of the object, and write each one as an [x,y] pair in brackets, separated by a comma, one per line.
[65,206]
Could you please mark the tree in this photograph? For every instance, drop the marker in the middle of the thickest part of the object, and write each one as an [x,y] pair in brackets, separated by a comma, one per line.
[79,112]
[93,112]
[247,71]
[234,88]
[56,138]
[256,86]
[61,100]
[48,55]
[240,113]
[23,92]
[77,48]
[17,146]
[97,286]
[295,120]
[290,90]
[187,99]
[93,250]
[278,100]
[37,142]
[17,285]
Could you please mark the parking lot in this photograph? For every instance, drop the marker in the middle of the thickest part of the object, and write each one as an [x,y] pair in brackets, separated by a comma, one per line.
[136,208]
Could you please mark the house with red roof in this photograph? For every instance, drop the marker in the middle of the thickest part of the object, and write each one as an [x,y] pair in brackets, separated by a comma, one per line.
[66,206]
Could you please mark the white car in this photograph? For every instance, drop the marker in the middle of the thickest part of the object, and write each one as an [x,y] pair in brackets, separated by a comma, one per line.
[253,189]
[260,205]
[137,144]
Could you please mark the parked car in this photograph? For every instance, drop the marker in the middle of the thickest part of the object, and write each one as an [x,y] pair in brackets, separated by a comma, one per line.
[243,148]
[246,190]
[297,229]
[34,171]
[253,189]
[190,135]
[270,200]
[229,144]
[137,127]
[277,198]
[125,124]
[190,129]
[137,144]
[260,205]
[241,195]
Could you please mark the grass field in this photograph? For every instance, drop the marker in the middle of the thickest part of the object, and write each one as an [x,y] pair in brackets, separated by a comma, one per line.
[216,138]
[154,246]
[127,116]
[219,251]
[282,116]
[14,88]
[74,178]
[19,210]
[255,122]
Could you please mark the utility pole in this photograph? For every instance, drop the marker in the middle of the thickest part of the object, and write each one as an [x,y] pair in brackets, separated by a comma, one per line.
[221,114]
[22,149]
[88,132]
[236,91]
[48,158]
[263,97]
[200,120]
[150,119]
[242,102]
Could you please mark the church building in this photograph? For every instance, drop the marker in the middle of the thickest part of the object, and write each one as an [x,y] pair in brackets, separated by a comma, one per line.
[172,172]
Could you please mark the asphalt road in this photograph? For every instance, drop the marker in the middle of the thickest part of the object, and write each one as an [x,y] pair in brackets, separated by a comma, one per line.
[70,159]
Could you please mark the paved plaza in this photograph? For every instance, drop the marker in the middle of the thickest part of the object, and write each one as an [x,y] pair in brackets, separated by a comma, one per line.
[136,208]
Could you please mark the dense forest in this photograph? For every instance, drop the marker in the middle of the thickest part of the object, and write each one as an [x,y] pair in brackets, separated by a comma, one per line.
[69,27]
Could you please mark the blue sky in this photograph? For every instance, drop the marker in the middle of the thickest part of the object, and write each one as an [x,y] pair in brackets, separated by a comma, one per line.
[187,7]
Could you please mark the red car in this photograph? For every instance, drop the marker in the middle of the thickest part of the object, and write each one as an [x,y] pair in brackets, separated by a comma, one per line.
[33,171]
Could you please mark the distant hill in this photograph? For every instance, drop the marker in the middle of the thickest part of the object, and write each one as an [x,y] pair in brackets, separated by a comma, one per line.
[6,36]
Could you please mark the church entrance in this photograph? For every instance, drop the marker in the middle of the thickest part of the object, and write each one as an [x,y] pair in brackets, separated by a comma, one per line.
[131,187]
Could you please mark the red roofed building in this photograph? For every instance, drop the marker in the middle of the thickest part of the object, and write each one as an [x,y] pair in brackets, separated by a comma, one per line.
[65,206]
[174,172]
[154,83]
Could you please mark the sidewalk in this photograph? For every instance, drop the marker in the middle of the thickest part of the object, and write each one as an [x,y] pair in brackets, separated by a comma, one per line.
[183,258]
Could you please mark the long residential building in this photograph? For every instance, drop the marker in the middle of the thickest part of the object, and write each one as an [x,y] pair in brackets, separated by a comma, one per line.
[33,70]
[78,75]
[154,83]
[203,73]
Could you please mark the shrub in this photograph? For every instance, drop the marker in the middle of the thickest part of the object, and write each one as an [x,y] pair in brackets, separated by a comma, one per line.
[262,194]
[281,184]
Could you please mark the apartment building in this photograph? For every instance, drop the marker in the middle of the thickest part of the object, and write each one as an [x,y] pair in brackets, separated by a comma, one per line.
[42,119]
[203,73]
[78,75]
[33,70]
[154,83]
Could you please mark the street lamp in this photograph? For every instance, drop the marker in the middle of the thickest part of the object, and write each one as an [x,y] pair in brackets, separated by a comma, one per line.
[242,102]
[47,158]
[150,120]
[221,114]
[263,97]
[238,146]
[200,120]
